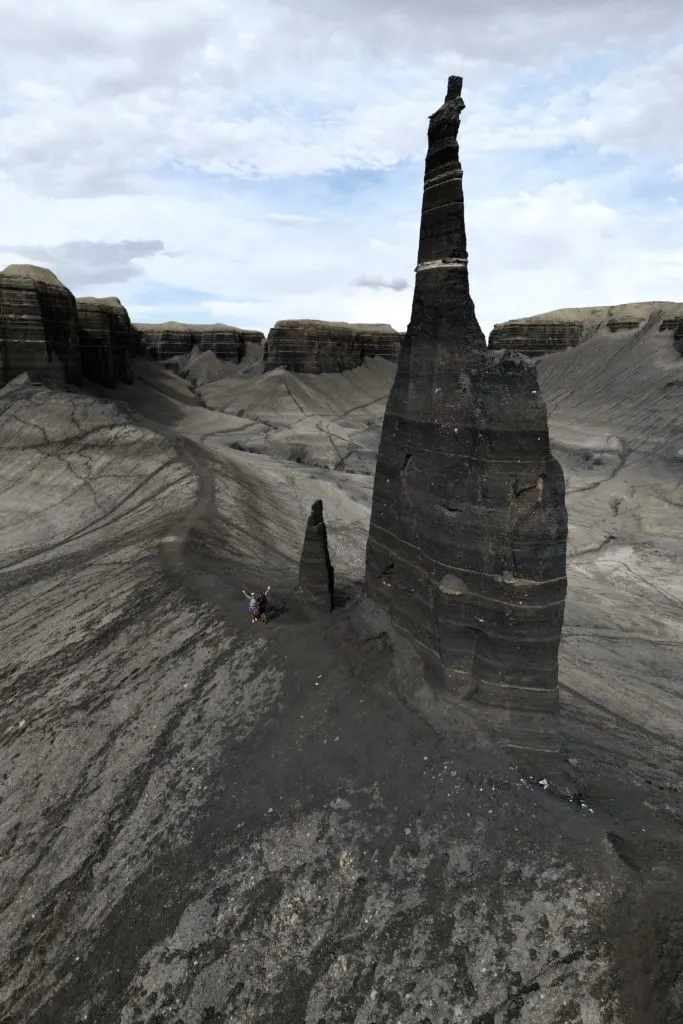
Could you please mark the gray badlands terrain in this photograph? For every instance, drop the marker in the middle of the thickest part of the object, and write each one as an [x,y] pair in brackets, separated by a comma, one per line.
[207,820]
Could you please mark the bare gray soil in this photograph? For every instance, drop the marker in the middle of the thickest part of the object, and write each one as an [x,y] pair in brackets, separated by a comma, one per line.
[204,820]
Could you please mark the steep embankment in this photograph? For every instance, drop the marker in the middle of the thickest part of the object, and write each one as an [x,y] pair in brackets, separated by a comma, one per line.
[616,421]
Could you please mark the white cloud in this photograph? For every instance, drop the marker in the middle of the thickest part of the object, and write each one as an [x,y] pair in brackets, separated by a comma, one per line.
[85,262]
[376,281]
[194,131]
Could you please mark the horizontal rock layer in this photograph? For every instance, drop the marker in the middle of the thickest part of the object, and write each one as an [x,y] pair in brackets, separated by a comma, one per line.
[107,340]
[379,340]
[327,346]
[560,329]
[536,339]
[38,326]
[312,346]
[166,340]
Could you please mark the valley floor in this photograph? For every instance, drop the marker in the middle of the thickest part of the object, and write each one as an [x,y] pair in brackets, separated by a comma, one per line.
[204,820]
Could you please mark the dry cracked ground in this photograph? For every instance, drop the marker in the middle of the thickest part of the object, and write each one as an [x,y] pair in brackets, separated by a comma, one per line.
[208,821]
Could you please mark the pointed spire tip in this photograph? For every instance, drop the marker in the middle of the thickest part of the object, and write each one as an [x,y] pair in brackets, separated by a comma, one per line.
[454,88]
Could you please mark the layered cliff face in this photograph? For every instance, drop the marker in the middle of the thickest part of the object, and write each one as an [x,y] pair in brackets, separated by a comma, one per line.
[327,346]
[38,326]
[166,340]
[228,343]
[560,329]
[467,542]
[379,340]
[312,346]
[107,340]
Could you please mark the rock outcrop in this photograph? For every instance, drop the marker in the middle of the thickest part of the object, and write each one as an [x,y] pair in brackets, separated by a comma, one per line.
[312,346]
[536,339]
[316,574]
[107,340]
[674,324]
[38,326]
[227,343]
[379,340]
[327,346]
[560,329]
[467,543]
[170,339]
[678,338]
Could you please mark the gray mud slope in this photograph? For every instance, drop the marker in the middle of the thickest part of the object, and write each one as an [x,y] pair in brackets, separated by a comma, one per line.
[616,412]
[209,821]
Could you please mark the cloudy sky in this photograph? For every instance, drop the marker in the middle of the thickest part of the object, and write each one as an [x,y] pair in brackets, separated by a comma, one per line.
[246,162]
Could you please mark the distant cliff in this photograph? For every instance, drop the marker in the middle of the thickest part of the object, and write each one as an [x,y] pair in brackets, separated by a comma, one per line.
[38,326]
[327,346]
[166,340]
[107,340]
[560,329]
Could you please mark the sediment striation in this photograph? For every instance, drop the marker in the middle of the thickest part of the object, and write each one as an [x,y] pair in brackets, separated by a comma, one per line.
[312,346]
[561,329]
[38,326]
[327,346]
[379,340]
[467,542]
[107,340]
[170,339]
[536,339]
[316,574]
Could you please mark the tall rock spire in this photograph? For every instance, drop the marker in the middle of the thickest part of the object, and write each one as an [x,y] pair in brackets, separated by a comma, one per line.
[467,540]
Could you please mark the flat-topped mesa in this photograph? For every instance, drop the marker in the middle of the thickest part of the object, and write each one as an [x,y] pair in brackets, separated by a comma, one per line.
[38,326]
[560,329]
[327,346]
[107,340]
[467,541]
[170,339]
[316,574]
[312,346]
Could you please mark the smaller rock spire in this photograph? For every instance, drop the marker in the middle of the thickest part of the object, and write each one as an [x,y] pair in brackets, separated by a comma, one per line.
[316,574]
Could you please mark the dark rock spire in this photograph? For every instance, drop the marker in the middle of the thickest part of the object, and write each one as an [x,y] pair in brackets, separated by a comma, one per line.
[316,574]
[467,540]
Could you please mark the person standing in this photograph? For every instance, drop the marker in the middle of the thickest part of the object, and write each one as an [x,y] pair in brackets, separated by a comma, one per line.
[253,605]
[263,605]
